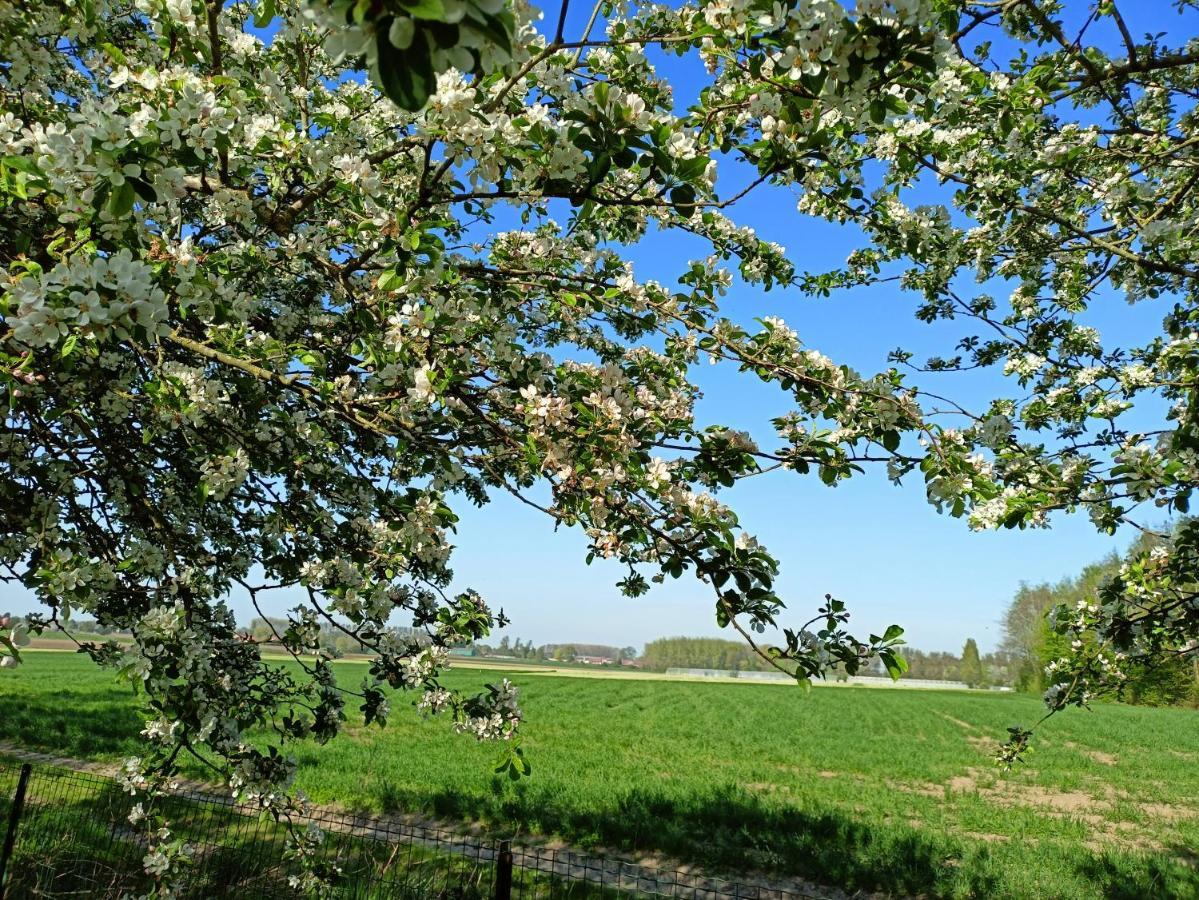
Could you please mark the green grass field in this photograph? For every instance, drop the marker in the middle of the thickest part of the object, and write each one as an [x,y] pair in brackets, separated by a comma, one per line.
[860,788]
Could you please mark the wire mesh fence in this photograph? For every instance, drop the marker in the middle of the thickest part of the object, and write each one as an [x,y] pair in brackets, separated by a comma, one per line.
[66,833]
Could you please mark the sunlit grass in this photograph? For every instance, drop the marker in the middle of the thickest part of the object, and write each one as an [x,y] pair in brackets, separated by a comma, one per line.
[852,786]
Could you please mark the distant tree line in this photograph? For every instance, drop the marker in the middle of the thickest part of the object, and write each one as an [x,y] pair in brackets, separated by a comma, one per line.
[84,627]
[80,627]
[1003,667]
[700,653]
[517,649]
[1033,645]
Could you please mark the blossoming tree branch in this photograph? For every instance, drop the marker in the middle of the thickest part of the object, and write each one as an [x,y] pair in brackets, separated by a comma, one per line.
[287,283]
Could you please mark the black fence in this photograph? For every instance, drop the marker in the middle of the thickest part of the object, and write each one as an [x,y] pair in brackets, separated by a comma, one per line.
[66,833]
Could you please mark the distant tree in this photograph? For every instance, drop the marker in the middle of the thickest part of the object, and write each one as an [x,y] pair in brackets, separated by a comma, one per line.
[265,630]
[1036,646]
[1025,632]
[971,670]
[932,665]
[565,653]
[1168,682]
[999,667]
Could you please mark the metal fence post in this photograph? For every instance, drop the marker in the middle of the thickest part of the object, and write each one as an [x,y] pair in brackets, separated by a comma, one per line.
[503,872]
[14,817]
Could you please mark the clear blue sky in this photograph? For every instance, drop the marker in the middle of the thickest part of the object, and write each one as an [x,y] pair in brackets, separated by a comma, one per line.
[879,547]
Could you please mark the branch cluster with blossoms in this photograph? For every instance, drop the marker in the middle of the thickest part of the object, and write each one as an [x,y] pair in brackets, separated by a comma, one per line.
[265,329]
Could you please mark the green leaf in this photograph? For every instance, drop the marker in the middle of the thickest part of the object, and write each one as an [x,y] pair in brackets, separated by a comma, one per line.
[515,764]
[113,52]
[144,189]
[401,32]
[444,36]
[264,12]
[498,29]
[120,201]
[15,185]
[923,60]
[682,198]
[406,76]
[389,280]
[68,346]
[896,665]
[25,164]
[425,9]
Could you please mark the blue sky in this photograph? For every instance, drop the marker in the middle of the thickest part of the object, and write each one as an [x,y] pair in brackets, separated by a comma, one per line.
[879,547]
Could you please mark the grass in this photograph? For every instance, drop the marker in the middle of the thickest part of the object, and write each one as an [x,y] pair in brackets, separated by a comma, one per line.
[870,789]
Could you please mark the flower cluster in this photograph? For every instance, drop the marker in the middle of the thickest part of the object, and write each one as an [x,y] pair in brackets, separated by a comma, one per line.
[492,716]
[88,296]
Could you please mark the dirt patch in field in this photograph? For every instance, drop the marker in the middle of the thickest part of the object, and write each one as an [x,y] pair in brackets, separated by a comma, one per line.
[1167,812]
[1074,803]
[1098,756]
[924,790]
[958,722]
[989,838]
[1096,807]
[1079,806]
[963,783]
[975,736]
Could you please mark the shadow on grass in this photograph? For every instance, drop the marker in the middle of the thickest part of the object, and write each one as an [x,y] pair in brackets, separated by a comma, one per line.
[730,831]
[1172,874]
[724,829]
[74,841]
[100,723]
